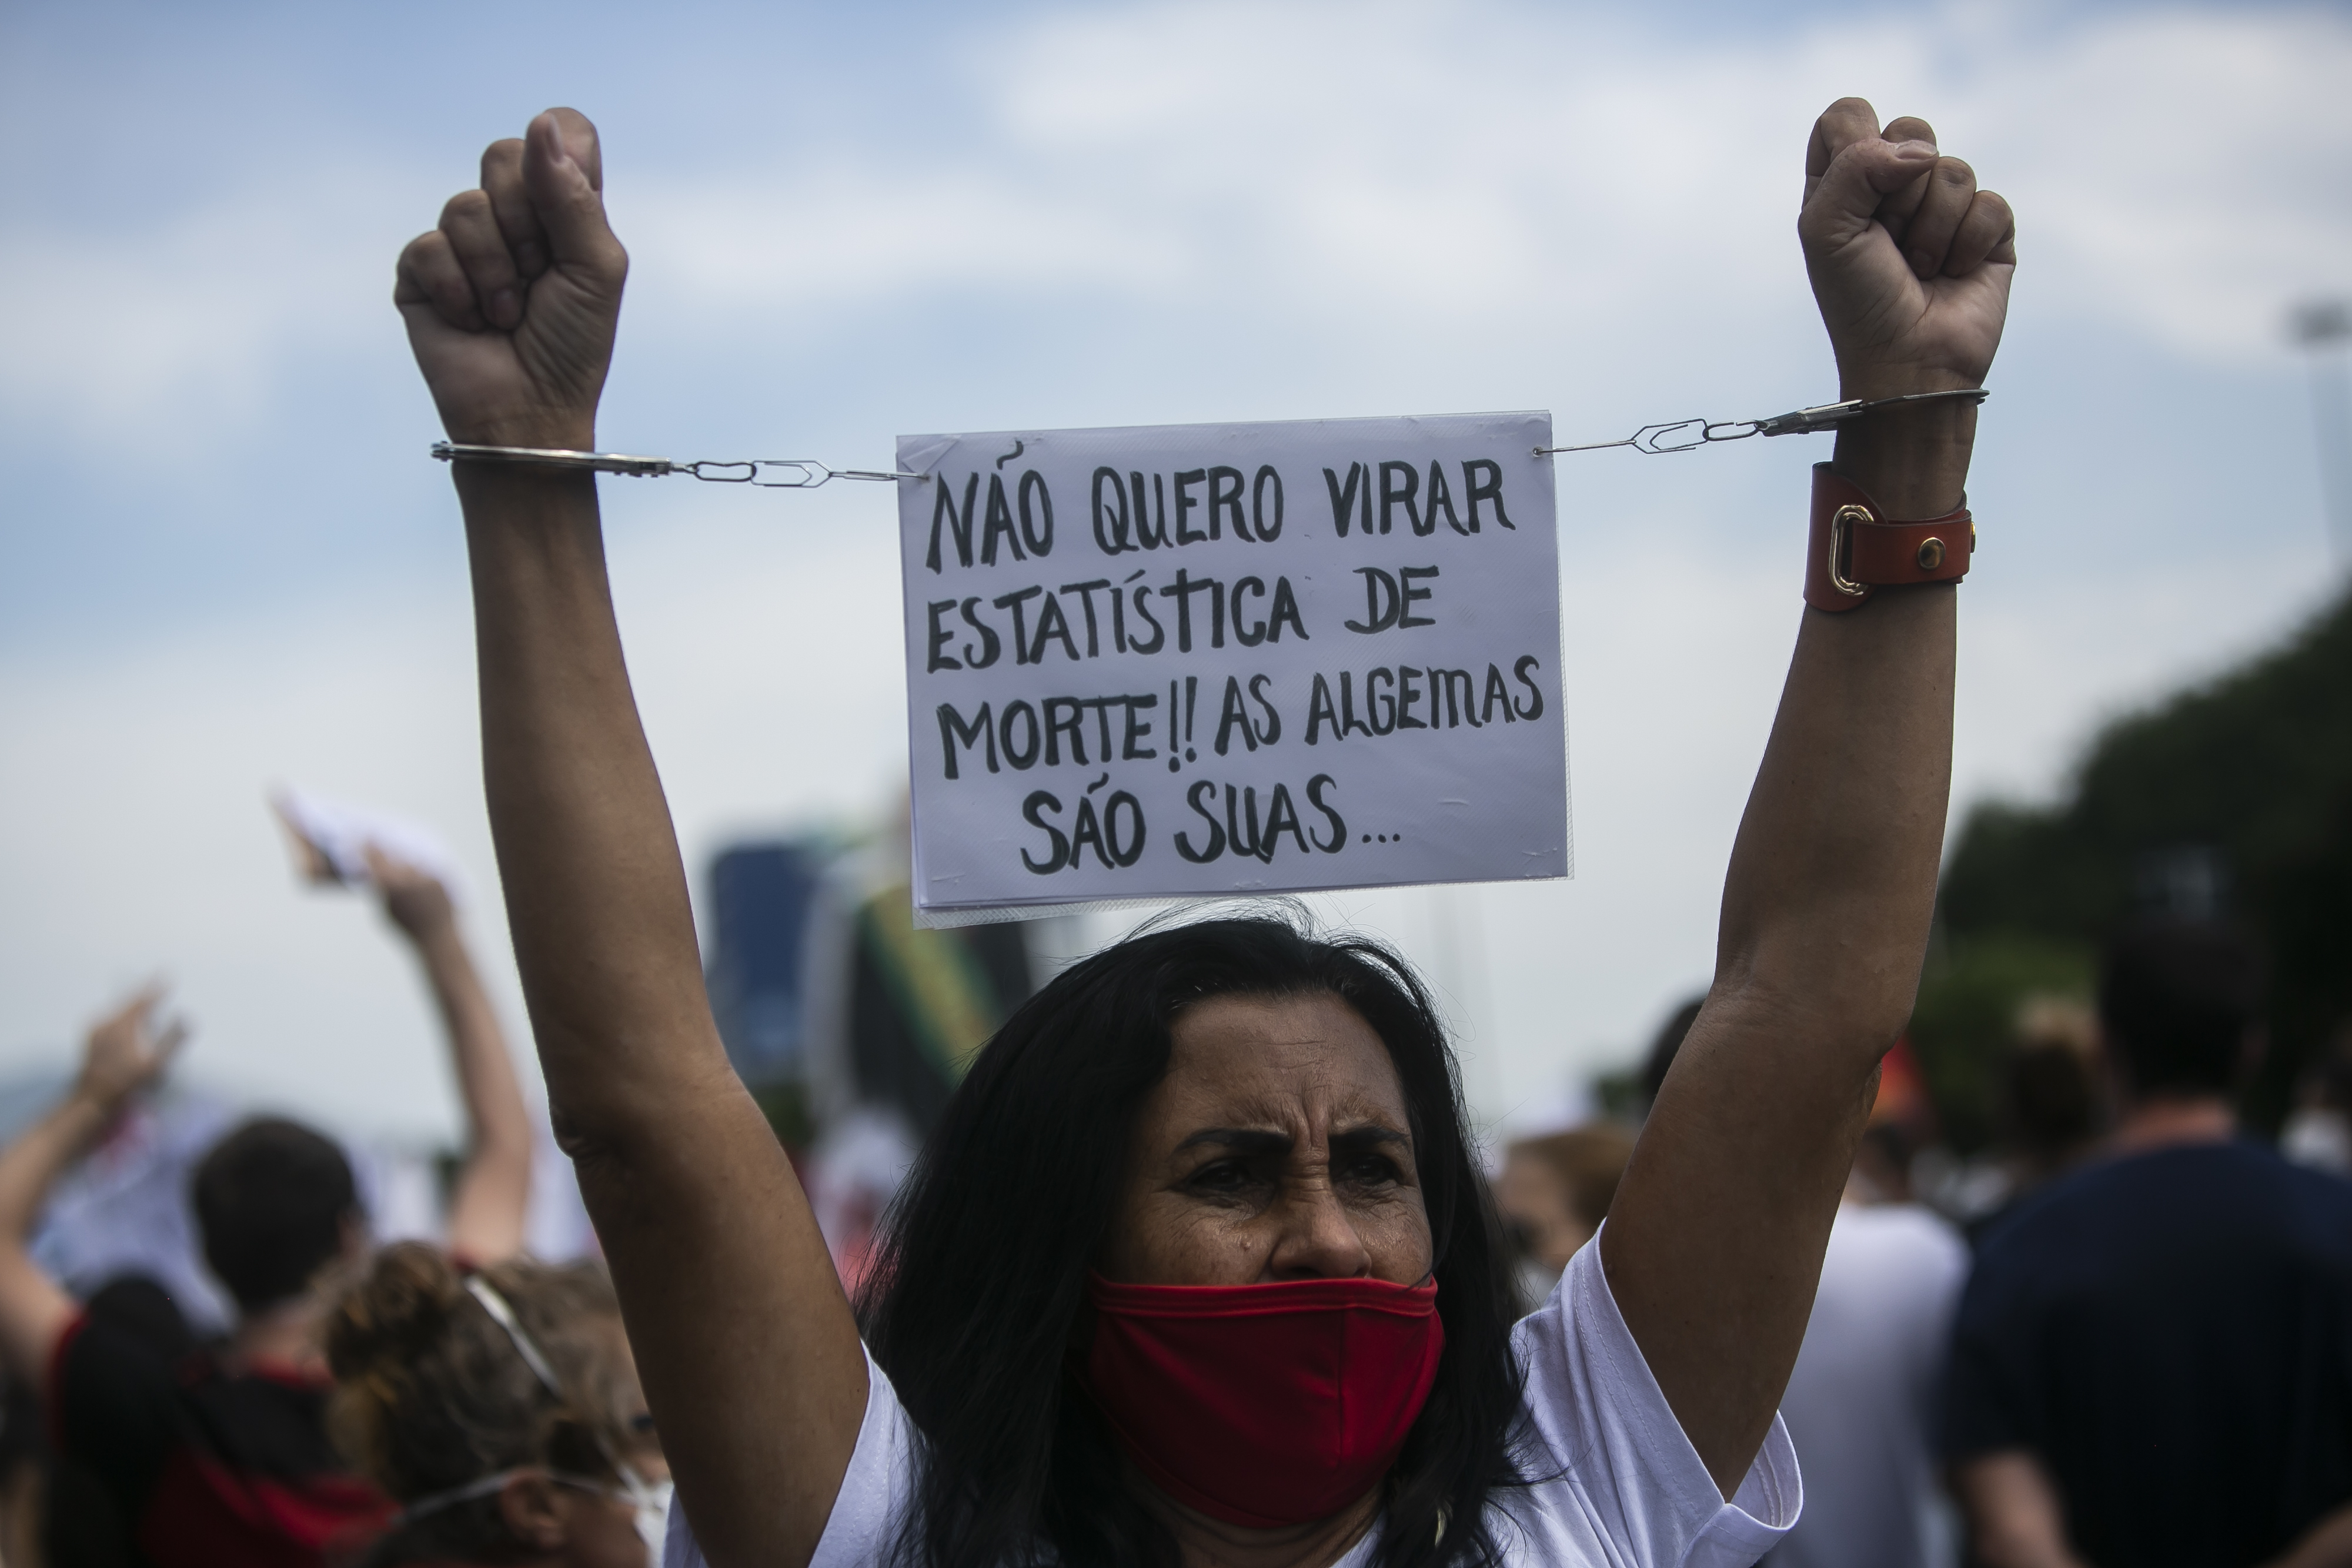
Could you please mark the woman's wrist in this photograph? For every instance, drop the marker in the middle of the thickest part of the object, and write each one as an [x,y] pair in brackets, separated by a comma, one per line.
[513,492]
[1914,462]
[438,947]
[524,423]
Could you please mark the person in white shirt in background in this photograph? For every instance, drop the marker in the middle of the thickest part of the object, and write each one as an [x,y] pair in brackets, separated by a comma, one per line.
[2318,1131]
[1860,1406]
[1553,1193]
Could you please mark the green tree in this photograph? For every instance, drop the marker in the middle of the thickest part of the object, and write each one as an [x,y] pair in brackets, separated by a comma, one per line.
[2251,772]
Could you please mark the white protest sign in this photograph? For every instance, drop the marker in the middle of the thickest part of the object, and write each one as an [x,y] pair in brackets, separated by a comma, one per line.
[1224,659]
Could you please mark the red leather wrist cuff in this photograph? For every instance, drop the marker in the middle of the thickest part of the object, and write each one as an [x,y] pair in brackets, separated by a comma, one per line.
[1856,550]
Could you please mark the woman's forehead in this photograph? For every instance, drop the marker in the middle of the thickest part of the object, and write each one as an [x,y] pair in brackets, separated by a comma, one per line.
[1255,1061]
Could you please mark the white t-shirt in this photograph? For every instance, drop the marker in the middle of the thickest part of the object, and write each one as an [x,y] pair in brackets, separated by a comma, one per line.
[1861,1400]
[1623,1486]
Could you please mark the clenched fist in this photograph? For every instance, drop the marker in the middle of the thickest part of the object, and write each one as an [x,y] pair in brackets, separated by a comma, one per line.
[1910,262]
[512,302]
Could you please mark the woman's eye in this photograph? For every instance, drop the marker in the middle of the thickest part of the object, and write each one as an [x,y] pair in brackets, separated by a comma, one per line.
[1222,1175]
[1373,1170]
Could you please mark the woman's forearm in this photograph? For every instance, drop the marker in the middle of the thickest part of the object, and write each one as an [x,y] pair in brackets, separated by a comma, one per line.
[1832,881]
[748,1350]
[1716,1238]
[596,896]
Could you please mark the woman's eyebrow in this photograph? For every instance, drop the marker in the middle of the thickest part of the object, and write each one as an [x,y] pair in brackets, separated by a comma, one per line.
[1247,1140]
[1262,1141]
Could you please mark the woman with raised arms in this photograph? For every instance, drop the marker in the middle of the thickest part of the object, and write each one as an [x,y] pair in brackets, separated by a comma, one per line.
[1198,1271]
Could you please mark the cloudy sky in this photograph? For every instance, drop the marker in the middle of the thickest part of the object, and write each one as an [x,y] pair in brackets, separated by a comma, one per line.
[229,562]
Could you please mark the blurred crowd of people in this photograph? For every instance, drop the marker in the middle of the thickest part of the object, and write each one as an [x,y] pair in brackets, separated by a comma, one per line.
[243,1374]
[2123,1336]
[241,1340]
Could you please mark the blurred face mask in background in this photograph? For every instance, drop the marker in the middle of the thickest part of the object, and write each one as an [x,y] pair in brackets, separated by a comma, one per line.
[649,1501]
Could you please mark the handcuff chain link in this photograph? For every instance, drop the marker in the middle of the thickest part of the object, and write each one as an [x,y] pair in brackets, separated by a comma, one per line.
[1690,435]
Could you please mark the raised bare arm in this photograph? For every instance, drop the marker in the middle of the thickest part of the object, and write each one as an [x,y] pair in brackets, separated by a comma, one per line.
[1714,1243]
[123,1054]
[749,1352]
[492,1195]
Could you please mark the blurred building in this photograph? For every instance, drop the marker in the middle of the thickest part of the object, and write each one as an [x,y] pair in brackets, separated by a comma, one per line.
[763,898]
[851,1026]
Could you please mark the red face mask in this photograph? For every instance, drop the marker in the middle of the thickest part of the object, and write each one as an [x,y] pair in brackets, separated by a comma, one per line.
[1264,1405]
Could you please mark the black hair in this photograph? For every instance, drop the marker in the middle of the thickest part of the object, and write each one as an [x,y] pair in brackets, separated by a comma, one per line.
[271,1201]
[2176,999]
[978,1301]
[139,1308]
[2049,1100]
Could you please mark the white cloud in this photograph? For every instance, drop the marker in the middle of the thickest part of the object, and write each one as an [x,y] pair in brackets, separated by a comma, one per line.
[145,341]
[849,234]
[134,837]
[1563,177]
[2179,172]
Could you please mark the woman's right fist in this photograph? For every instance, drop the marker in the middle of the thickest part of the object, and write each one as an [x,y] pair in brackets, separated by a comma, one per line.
[512,302]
